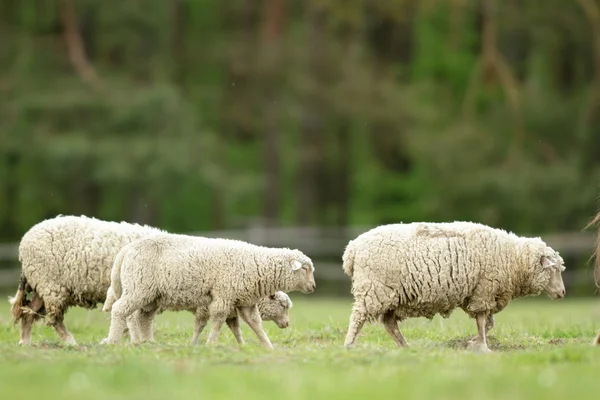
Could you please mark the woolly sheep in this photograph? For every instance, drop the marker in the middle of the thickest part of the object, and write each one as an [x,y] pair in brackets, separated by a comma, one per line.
[212,276]
[596,255]
[66,261]
[402,271]
[272,308]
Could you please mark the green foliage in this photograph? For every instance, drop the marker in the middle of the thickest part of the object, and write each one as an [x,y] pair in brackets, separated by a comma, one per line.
[378,111]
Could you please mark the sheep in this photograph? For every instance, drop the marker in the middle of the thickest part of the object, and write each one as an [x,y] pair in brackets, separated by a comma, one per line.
[401,271]
[66,261]
[212,276]
[272,308]
[596,255]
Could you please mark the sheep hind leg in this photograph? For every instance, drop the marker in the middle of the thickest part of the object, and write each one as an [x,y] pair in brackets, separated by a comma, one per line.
[234,326]
[251,316]
[64,333]
[146,324]
[121,311]
[479,344]
[489,325]
[391,326]
[357,321]
[29,318]
[200,321]
[55,318]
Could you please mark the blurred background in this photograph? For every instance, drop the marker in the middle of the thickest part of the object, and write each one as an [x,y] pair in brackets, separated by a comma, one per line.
[302,123]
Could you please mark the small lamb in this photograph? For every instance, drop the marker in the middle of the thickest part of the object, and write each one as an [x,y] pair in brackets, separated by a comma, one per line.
[212,276]
[272,308]
[402,271]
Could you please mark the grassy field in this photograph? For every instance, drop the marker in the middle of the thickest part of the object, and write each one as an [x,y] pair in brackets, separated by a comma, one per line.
[542,350]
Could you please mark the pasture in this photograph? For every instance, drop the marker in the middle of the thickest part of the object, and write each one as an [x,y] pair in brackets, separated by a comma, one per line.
[541,351]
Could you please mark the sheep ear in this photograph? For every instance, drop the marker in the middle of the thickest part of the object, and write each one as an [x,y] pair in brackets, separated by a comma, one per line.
[296,265]
[546,262]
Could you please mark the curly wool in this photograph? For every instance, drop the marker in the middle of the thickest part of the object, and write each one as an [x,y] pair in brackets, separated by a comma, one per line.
[180,272]
[67,261]
[424,269]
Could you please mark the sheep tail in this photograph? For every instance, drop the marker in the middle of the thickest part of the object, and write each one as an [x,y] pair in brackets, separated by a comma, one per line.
[114,290]
[348,259]
[19,302]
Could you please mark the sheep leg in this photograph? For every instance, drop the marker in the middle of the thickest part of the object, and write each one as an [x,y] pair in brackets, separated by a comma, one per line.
[133,327]
[145,322]
[357,320]
[218,312]
[28,319]
[489,324]
[121,310]
[234,325]
[251,316]
[480,343]
[200,321]
[64,333]
[391,326]
[597,340]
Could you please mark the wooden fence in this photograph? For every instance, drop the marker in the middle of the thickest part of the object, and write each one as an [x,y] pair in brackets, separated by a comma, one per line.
[326,245]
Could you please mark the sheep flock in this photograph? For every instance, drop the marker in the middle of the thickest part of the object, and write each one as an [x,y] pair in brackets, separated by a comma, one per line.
[398,271]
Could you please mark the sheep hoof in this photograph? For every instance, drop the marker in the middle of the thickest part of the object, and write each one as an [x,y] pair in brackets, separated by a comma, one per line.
[477,347]
[105,341]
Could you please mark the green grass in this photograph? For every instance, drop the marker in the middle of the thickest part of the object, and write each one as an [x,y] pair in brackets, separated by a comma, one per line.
[541,350]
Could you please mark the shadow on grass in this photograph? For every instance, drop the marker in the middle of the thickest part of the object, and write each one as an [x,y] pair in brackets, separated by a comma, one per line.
[462,343]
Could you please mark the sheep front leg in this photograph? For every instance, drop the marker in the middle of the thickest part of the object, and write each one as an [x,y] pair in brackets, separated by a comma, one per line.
[479,344]
[218,311]
[234,325]
[251,316]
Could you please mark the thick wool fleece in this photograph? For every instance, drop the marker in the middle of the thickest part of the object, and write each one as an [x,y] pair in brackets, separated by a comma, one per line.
[66,261]
[422,269]
[179,272]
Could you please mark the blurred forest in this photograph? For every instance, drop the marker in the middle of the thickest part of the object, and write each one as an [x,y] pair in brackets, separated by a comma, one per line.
[210,114]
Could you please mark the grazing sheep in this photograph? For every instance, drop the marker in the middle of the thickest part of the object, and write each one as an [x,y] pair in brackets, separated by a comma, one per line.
[212,276]
[596,255]
[272,308]
[402,271]
[66,261]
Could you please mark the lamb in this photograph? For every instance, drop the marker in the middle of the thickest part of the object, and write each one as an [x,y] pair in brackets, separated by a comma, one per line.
[66,261]
[272,308]
[212,276]
[596,255]
[402,271]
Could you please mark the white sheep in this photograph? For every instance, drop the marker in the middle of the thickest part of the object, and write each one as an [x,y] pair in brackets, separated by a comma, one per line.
[272,308]
[403,271]
[212,276]
[66,261]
